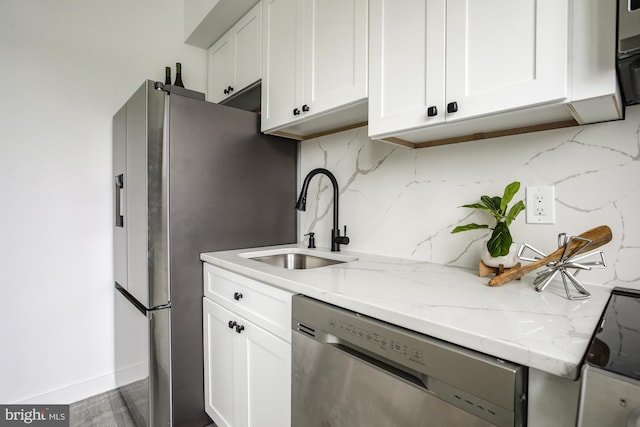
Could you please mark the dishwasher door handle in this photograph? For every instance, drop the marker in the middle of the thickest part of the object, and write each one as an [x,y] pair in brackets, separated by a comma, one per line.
[408,377]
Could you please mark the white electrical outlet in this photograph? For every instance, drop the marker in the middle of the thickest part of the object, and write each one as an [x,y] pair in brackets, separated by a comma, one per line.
[541,205]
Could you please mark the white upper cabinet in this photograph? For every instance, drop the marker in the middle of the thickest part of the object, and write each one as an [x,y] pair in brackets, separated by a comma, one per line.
[247,35]
[282,60]
[221,69]
[335,53]
[453,70]
[235,60]
[314,63]
[407,70]
[205,21]
[504,54]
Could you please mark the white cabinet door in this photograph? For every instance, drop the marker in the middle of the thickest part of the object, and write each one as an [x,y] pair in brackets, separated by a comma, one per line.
[268,378]
[247,34]
[407,66]
[446,60]
[281,62]
[235,60]
[247,37]
[247,371]
[221,68]
[505,54]
[335,53]
[220,364]
[315,58]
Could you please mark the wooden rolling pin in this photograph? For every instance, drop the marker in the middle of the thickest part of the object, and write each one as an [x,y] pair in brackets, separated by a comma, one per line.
[599,236]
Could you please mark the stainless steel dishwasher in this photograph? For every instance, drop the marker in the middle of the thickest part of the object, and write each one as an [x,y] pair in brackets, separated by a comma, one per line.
[352,370]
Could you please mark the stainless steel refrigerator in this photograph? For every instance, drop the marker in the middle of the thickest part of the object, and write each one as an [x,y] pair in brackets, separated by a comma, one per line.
[189,176]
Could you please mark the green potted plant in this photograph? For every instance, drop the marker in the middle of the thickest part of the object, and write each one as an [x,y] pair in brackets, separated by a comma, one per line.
[500,243]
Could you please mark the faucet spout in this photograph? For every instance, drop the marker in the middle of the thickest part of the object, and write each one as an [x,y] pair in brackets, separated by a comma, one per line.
[301,205]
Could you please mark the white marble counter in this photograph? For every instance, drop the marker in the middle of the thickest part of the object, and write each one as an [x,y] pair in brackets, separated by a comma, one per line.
[542,330]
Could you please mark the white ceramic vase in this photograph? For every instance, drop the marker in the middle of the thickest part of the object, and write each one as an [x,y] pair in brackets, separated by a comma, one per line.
[508,261]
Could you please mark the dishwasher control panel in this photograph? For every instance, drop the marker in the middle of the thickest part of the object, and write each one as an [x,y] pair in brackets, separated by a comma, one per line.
[381,342]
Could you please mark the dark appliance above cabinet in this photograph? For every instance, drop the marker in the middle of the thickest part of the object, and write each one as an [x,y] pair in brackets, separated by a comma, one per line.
[629,50]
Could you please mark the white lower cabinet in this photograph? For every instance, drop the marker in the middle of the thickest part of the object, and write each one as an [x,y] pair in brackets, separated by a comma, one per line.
[247,368]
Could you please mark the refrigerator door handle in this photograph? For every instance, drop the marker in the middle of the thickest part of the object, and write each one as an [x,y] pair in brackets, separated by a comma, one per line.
[141,308]
[119,183]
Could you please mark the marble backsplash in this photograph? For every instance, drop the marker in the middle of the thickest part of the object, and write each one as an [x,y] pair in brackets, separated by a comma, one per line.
[403,203]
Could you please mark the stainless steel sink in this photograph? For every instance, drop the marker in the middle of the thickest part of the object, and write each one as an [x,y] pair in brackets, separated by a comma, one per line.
[296,259]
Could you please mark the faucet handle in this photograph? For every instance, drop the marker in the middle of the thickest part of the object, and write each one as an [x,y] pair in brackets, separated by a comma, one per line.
[312,239]
[342,240]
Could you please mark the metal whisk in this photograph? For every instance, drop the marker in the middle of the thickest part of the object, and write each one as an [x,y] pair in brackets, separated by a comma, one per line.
[576,261]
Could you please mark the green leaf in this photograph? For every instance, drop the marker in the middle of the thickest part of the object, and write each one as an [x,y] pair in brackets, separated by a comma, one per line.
[509,191]
[492,203]
[472,226]
[500,241]
[493,207]
[475,206]
[478,206]
[514,211]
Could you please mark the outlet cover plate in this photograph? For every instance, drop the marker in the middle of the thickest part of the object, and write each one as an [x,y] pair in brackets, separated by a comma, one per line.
[541,205]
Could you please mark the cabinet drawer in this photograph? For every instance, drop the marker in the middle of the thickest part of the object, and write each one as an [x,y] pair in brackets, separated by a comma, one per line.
[263,304]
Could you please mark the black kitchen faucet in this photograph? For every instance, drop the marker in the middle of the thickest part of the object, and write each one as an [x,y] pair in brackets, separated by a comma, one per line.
[301,205]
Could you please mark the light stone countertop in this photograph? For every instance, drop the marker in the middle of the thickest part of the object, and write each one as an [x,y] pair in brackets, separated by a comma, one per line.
[542,330]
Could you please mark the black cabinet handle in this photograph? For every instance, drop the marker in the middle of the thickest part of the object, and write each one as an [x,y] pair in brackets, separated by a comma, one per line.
[228,90]
[119,186]
[432,111]
[237,296]
[452,107]
[239,328]
[296,112]
[232,324]
[305,108]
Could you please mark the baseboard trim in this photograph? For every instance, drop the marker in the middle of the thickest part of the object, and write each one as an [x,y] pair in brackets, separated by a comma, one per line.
[75,392]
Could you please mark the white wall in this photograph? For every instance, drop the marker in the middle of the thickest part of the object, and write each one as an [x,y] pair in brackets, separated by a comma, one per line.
[404,203]
[66,67]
